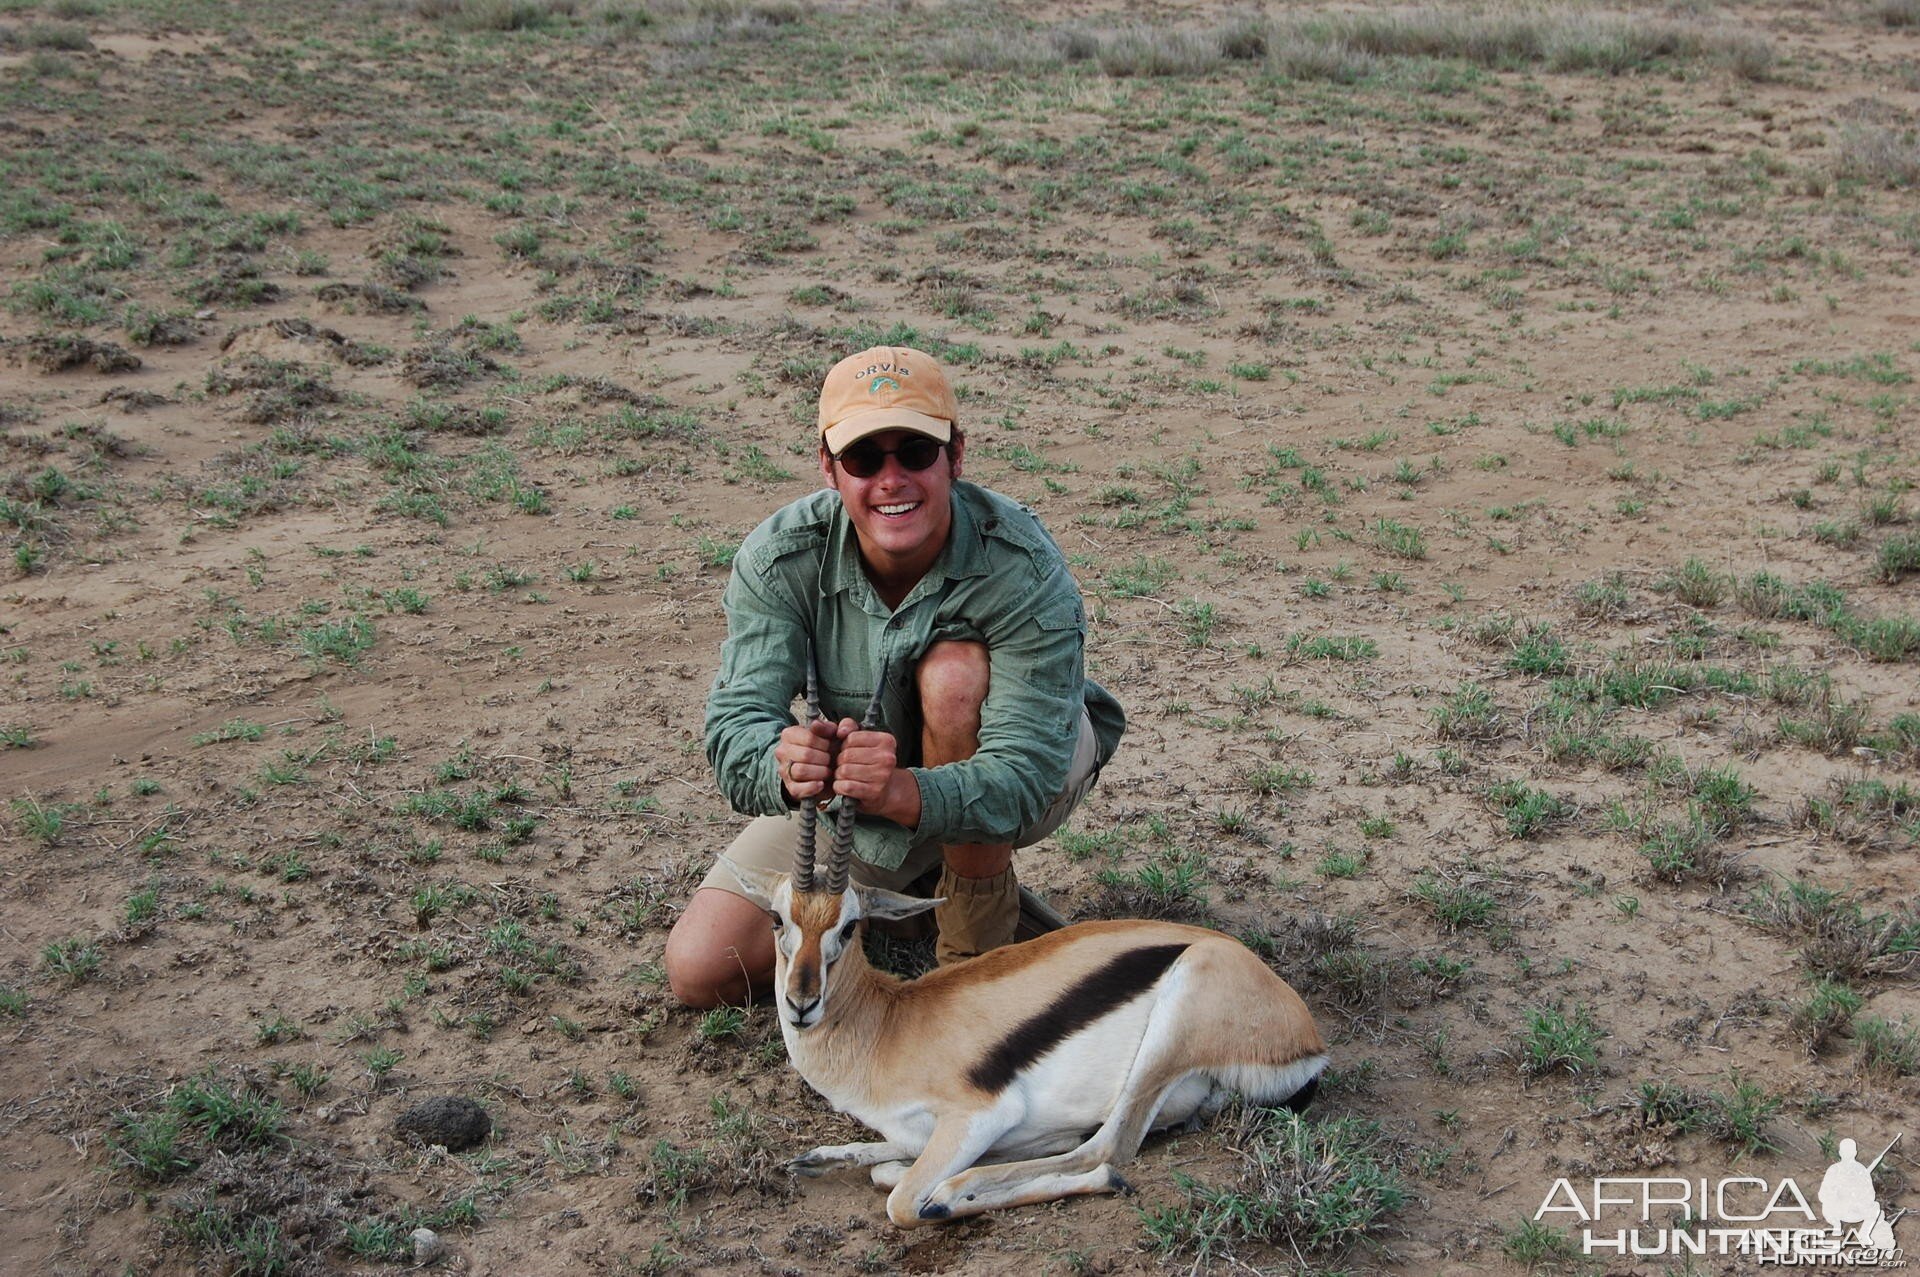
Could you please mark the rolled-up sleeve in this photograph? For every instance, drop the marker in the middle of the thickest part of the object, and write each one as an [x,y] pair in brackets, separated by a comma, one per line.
[761,666]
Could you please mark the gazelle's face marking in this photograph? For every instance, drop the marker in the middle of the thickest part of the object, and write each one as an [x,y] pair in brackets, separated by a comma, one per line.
[810,932]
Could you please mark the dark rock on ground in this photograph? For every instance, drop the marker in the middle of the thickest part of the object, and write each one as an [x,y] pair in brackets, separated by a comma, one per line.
[451,1120]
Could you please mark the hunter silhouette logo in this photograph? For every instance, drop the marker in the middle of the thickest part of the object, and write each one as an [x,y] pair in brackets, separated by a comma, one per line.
[1847,1197]
[1771,1222]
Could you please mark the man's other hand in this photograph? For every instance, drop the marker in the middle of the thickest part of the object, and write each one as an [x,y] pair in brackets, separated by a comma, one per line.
[806,756]
[868,771]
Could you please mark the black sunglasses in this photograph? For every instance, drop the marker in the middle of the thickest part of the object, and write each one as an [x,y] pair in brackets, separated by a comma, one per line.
[864,459]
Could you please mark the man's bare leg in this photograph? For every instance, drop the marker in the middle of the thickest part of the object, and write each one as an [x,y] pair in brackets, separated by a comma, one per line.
[720,952]
[983,901]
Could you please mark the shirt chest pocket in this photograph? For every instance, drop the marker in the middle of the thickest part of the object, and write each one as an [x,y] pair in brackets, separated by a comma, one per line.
[898,717]
[838,702]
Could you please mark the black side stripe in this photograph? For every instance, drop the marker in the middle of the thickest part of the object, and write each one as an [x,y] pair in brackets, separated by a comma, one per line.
[1126,977]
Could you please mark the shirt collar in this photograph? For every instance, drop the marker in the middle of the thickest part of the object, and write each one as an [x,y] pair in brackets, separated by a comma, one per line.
[965,554]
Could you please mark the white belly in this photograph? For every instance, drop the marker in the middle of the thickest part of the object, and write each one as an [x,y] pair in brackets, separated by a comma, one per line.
[1072,1089]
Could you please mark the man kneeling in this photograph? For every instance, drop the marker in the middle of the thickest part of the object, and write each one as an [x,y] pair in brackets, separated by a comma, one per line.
[990,733]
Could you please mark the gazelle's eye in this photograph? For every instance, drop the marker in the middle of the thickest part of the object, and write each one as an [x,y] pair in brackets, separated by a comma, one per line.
[846,932]
[779,924]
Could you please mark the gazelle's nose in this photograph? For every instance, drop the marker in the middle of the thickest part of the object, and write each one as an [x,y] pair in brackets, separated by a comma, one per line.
[797,1010]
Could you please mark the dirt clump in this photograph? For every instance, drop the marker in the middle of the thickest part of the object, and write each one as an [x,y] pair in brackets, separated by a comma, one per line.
[52,354]
[444,364]
[235,282]
[277,388]
[127,399]
[302,334]
[369,297]
[454,1122]
[162,328]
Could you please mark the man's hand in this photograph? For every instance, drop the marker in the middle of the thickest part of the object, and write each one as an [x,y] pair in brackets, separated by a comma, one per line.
[868,771]
[823,759]
[806,757]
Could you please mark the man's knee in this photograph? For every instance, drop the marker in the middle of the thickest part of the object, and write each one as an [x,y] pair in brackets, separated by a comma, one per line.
[719,952]
[953,679]
[699,982]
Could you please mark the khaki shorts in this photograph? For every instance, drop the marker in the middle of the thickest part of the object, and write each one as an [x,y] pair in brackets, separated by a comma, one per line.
[768,842]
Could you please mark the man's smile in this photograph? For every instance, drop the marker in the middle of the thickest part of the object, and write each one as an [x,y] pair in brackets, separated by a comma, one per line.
[900,515]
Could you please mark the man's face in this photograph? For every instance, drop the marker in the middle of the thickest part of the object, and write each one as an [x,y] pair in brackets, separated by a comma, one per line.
[901,516]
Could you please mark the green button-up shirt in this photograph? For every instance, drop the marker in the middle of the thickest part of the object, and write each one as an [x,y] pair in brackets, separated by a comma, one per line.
[1000,581]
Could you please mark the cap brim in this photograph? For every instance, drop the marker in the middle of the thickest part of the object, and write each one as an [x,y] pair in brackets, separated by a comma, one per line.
[857,427]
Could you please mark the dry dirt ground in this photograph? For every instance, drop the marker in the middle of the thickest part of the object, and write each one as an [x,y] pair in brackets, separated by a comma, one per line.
[1485,440]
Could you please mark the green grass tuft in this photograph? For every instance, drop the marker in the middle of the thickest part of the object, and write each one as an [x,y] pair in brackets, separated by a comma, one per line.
[1526,810]
[1557,1040]
[1311,1188]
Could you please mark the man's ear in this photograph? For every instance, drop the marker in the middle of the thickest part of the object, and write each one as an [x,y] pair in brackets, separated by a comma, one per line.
[878,903]
[956,449]
[756,884]
[826,468]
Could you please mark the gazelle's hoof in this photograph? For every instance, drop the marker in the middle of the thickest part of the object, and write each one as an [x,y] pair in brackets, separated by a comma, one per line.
[934,1210]
[1118,1183]
[812,1165]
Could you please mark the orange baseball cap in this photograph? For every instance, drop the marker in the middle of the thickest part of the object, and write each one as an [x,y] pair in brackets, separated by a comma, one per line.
[886,388]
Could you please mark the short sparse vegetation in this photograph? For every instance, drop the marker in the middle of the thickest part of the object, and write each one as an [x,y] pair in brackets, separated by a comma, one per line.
[70,960]
[1737,1116]
[1468,714]
[1482,437]
[1840,940]
[1560,1040]
[1315,1188]
[1526,810]
[1888,1050]
[1463,900]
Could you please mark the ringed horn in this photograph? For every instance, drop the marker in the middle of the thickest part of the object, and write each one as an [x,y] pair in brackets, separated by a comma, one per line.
[840,850]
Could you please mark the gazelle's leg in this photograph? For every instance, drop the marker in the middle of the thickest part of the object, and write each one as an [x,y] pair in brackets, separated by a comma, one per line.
[888,1175]
[1029,1190]
[1157,1068]
[1087,1169]
[833,1157]
[957,1142]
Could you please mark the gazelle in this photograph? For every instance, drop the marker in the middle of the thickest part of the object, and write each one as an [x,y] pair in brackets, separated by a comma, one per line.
[1056,1057]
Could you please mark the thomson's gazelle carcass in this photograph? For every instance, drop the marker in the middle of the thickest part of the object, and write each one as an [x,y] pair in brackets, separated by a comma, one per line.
[1052,1058]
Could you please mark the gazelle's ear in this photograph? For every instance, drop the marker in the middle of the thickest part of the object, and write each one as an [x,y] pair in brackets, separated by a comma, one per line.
[756,884]
[876,903]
